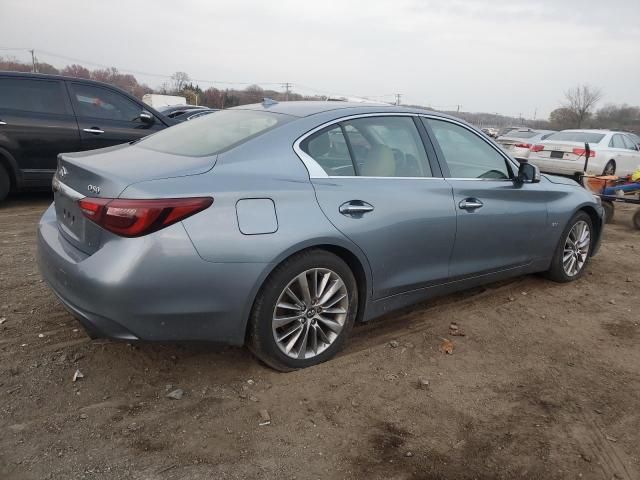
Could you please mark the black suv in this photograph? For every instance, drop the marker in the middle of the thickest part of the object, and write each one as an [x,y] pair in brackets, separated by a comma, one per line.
[44,115]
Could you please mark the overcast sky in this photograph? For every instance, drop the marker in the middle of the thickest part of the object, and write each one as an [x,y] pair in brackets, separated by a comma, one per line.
[507,56]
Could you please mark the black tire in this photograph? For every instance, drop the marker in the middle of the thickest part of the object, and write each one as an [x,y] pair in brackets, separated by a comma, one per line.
[636,219]
[260,338]
[609,211]
[557,272]
[5,183]
[609,168]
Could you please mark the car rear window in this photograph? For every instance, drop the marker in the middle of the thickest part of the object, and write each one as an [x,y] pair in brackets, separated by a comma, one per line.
[581,137]
[212,134]
[523,134]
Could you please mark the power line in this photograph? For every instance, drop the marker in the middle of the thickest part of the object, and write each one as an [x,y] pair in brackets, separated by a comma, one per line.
[136,72]
[286,85]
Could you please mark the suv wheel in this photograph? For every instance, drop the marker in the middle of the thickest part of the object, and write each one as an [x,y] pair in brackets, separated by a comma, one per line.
[5,183]
[304,312]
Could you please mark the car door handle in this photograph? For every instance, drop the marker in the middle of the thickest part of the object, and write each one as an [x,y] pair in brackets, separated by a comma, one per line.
[95,130]
[355,207]
[470,204]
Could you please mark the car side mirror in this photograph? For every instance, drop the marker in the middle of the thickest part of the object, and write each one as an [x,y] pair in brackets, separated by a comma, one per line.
[146,117]
[528,173]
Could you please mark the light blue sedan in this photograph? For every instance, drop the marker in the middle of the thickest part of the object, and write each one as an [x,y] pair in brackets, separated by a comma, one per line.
[280,225]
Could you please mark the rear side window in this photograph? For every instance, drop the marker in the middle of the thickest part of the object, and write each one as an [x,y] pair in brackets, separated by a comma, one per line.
[212,134]
[580,137]
[378,146]
[101,103]
[41,96]
[329,149]
[467,154]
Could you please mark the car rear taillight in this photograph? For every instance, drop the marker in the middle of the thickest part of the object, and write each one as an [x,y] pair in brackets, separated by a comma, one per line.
[536,148]
[523,145]
[135,218]
[581,151]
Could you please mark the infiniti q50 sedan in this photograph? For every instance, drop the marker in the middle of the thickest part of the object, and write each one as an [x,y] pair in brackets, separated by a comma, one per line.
[280,225]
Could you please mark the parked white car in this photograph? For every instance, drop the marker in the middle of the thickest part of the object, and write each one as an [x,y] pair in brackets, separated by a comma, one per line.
[518,142]
[564,153]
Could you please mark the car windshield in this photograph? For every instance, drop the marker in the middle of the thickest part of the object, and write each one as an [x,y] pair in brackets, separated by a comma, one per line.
[211,134]
[581,137]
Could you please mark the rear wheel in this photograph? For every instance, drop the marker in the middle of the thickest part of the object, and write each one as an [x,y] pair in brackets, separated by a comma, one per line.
[304,311]
[572,252]
[5,183]
[609,168]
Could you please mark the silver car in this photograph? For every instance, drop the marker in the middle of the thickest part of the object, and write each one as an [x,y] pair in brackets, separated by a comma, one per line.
[280,225]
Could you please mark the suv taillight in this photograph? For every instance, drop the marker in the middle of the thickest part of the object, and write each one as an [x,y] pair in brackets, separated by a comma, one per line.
[135,218]
[537,148]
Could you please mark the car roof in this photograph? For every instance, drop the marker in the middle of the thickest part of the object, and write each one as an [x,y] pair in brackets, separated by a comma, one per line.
[307,108]
[49,76]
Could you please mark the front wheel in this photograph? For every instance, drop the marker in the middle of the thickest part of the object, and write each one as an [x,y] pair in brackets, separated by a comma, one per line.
[572,252]
[304,312]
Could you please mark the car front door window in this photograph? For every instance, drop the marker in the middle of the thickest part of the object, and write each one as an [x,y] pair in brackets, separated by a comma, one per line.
[466,154]
[101,103]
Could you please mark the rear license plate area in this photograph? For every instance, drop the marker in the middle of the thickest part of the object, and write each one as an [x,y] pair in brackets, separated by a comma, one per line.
[555,154]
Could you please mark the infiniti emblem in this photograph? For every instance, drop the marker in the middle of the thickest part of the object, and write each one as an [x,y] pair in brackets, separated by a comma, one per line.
[62,172]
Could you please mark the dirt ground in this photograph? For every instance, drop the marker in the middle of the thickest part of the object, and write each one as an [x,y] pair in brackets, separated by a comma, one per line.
[545,385]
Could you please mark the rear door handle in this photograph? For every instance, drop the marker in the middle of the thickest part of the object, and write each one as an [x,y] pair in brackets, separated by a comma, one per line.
[470,204]
[95,130]
[355,207]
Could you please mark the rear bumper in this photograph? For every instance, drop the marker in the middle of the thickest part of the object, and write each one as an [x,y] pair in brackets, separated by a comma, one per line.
[562,167]
[565,167]
[153,288]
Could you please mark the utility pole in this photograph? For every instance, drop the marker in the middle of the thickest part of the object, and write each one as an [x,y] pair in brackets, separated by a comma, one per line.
[398,97]
[458,111]
[33,61]
[287,87]
[535,113]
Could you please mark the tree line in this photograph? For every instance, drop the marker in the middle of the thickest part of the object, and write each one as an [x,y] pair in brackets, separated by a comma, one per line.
[578,109]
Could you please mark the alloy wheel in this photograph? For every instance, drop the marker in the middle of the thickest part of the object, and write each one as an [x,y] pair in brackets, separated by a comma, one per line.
[576,248]
[310,313]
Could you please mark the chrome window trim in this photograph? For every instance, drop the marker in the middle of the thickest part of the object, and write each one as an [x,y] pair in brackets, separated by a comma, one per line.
[363,176]
[317,172]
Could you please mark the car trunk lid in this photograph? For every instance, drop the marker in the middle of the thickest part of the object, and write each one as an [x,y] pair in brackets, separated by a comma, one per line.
[106,173]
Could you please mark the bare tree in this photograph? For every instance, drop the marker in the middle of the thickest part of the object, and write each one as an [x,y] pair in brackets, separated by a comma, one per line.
[179,80]
[580,101]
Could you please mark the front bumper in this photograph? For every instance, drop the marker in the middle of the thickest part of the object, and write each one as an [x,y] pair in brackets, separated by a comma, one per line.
[149,288]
